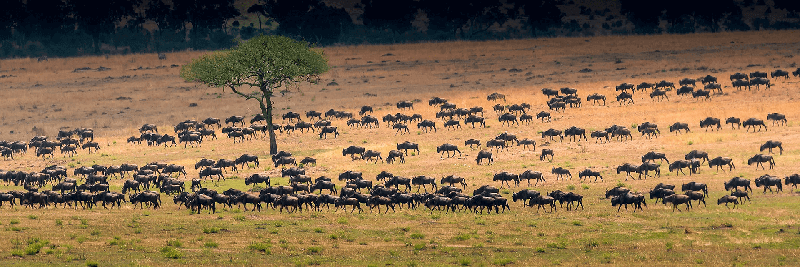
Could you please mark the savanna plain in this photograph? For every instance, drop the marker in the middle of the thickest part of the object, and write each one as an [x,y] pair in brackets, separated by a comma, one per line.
[115,95]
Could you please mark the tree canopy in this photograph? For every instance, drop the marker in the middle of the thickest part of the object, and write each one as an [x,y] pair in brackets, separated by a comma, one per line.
[256,68]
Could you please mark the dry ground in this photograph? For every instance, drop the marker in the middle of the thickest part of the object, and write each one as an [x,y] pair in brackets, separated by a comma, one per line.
[53,95]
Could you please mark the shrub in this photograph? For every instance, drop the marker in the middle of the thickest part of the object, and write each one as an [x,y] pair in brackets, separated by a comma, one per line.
[174,243]
[314,250]
[211,244]
[171,253]
[417,236]
[260,247]
[210,230]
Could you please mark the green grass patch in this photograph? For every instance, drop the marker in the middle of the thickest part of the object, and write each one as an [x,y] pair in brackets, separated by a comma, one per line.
[260,247]
[171,253]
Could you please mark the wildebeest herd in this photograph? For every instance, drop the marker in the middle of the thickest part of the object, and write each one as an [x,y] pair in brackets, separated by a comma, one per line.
[88,185]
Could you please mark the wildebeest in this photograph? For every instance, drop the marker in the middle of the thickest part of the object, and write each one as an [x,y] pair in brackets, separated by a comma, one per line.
[496,96]
[708,79]
[629,198]
[508,118]
[687,81]
[285,161]
[676,127]
[738,84]
[309,161]
[472,120]
[769,145]
[575,133]
[406,146]
[701,93]
[226,163]
[434,101]
[543,115]
[665,84]
[504,177]
[526,142]
[372,155]
[734,122]
[777,118]
[452,124]
[546,152]
[652,156]
[793,179]
[427,125]
[209,172]
[447,148]
[484,154]
[679,165]
[709,122]
[559,172]
[625,98]
[720,161]
[327,130]
[472,142]
[697,154]
[759,159]
[713,86]
[760,81]
[549,92]
[676,200]
[753,122]
[684,90]
[728,199]
[644,86]
[768,182]
[694,186]
[624,87]
[599,135]
[587,173]
[405,105]
[353,151]
[130,185]
[596,97]
[739,76]
[552,133]
[247,158]
[660,193]
[661,94]
[495,143]
[233,120]
[735,182]
[313,114]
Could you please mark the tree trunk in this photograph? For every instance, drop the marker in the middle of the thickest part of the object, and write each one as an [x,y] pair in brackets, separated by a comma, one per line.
[266,110]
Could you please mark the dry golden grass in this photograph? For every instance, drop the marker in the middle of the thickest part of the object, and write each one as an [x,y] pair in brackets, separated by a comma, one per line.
[49,95]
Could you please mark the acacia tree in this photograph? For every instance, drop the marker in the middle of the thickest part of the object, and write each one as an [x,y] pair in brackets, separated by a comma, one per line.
[256,68]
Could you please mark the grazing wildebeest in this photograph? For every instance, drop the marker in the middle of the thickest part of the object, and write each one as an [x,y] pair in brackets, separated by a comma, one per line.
[709,122]
[768,182]
[504,177]
[527,142]
[484,154]
[596,97]
[327,130]
[753,122]
[556,105]
[739,76]
[652,156]
[496,96]
[728,199]
[769,145]
[735,182]
[525,194]
[738,84]
[225,163]
[694,186]
[447,148]
[401,128]
[646,167]
[587,173]
[472,120]
[720,161]
[148,128]
[546,152]
[372,155]
[679,165]
[209,172]
[625,98]
[393,154]
[676,200]
[759,159]
[472,142]
[423,180]
[285,161]
[452,124]
[734,122]
[405,105]
[696,154]
[364,110]
[777,118]
[245,159]
[427,125]
[543,115]
[309,161]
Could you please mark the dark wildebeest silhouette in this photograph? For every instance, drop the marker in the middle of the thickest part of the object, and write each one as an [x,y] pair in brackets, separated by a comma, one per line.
[777,118]
[734,121]
[625,98]
[753,122]
[720,161]
[735,182]
[353,151]
[405,105]
[549,92]
[596,97]
[405,146]
[768,181]
[708,79]
[587,173]
[709,122]
[759,159]
[447,148]
[772,144]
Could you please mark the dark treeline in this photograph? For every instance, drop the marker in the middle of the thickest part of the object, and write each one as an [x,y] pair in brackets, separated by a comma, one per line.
[58,28]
